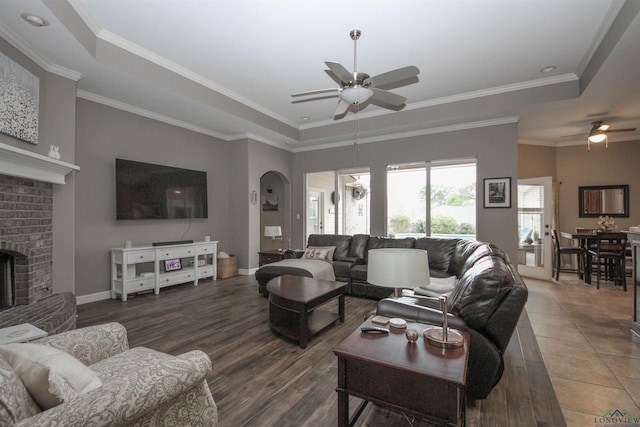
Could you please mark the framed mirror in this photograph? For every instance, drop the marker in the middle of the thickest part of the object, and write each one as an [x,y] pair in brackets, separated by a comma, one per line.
[611,200]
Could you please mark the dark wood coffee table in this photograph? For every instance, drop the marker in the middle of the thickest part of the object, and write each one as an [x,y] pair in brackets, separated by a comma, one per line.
[419,379]
[293,303]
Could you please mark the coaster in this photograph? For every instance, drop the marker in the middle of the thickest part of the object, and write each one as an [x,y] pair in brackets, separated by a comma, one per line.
[380,320]
[398,323]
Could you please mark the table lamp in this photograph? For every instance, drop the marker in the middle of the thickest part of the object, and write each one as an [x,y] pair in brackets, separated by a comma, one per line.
[272,231]
[407,268]
[398,268]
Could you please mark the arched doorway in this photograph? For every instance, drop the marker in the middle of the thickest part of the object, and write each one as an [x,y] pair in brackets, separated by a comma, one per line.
[274,211]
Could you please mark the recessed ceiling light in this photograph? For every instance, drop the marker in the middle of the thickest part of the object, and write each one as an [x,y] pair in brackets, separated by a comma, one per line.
[34,20]
[548,69]
[305,118]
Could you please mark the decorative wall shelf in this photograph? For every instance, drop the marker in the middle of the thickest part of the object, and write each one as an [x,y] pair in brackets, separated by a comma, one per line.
[25,164]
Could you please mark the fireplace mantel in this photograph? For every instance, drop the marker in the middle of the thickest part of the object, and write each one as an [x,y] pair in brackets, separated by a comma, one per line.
[25,164]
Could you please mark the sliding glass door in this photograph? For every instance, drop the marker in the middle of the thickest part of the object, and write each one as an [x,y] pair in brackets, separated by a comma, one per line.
[337,202]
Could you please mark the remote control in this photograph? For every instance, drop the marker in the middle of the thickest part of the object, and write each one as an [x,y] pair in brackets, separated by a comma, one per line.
[374,330]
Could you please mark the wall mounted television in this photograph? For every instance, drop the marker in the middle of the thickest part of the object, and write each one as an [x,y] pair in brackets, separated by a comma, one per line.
[148,191]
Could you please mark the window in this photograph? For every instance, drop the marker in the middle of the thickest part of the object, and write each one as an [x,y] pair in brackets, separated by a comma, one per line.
[448,209]
[453,200]
[406,201]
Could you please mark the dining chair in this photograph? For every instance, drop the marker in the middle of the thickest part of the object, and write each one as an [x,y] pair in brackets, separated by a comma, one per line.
[609,255]
[559,250]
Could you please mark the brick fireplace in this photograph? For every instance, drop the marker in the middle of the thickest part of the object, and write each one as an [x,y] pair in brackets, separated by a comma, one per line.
[26,209]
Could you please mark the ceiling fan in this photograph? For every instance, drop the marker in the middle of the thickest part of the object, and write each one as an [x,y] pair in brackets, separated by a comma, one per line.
[599,131]
[357,88]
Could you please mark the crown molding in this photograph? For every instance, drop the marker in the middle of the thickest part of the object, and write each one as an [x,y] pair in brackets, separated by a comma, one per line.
[413,133]
[499,90]
[28,51]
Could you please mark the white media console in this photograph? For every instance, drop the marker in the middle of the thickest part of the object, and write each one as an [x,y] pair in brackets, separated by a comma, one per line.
[145,268]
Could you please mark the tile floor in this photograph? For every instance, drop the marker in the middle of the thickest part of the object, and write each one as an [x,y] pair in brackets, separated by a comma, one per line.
[585,338]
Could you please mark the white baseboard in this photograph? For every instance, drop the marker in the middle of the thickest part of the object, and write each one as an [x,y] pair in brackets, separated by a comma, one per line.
[99,296]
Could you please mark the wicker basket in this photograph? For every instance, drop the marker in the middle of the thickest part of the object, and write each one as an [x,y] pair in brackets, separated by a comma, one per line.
[227,267]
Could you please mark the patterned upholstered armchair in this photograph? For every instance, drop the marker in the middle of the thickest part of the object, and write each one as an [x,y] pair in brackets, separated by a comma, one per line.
[135,387]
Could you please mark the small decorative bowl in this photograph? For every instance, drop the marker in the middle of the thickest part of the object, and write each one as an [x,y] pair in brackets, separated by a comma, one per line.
[412,335]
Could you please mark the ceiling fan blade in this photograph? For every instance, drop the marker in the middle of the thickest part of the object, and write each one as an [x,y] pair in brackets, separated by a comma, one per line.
[387,97]
[314,92]
[340,72]
[341,108]
[619,130]
[314,98]
[392,76]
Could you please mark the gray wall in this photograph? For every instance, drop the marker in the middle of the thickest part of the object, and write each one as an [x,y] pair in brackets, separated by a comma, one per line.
[104,134]
[494,147]
[56,126]
[92,135]
[264,158]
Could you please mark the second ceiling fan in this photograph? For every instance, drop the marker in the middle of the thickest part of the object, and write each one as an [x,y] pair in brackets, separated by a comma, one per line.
[357,88]
[599,131]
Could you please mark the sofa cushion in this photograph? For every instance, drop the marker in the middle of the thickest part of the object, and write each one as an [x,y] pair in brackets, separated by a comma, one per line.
[51,375]
[15,401]
[358,247]
[440,251]
[480,290]
[376,242]
[341,242]
[467,252]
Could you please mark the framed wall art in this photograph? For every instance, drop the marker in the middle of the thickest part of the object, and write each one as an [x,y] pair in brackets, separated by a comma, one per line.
[497,192]
[269,203]
[19,101]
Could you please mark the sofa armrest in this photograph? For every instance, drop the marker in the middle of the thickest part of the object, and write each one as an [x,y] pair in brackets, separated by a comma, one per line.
[408,308]
[91,344]
[292,254]
[128,398]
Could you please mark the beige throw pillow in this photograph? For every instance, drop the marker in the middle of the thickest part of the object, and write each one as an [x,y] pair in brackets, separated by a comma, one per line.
[324,253]
[50,375]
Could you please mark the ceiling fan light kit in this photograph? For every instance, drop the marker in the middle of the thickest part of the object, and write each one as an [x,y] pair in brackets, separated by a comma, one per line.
[599,131]
[356,95]
[358,88]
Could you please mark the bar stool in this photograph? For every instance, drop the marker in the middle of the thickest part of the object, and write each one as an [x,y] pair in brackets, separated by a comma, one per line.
[559,250]
[610,257]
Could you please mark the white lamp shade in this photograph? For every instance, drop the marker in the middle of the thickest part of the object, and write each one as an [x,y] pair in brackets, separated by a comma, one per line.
[398,268]
[272,231]
[356,95]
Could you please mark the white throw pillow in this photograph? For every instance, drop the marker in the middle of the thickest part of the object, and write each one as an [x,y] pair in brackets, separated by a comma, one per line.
[320,252]
[437,286]
[51,375]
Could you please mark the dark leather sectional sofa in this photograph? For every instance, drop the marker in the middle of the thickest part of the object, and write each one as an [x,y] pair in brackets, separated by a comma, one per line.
[486,300]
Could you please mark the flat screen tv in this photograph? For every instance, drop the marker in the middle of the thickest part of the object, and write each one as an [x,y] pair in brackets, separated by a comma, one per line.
[148,191]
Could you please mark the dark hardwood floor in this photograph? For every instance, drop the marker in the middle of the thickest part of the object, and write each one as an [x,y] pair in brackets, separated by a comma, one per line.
[262,379]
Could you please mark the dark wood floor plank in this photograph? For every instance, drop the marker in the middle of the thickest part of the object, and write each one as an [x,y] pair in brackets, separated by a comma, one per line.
[261,379]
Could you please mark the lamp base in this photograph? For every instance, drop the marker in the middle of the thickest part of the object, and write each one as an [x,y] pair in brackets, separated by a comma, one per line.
[435,336]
